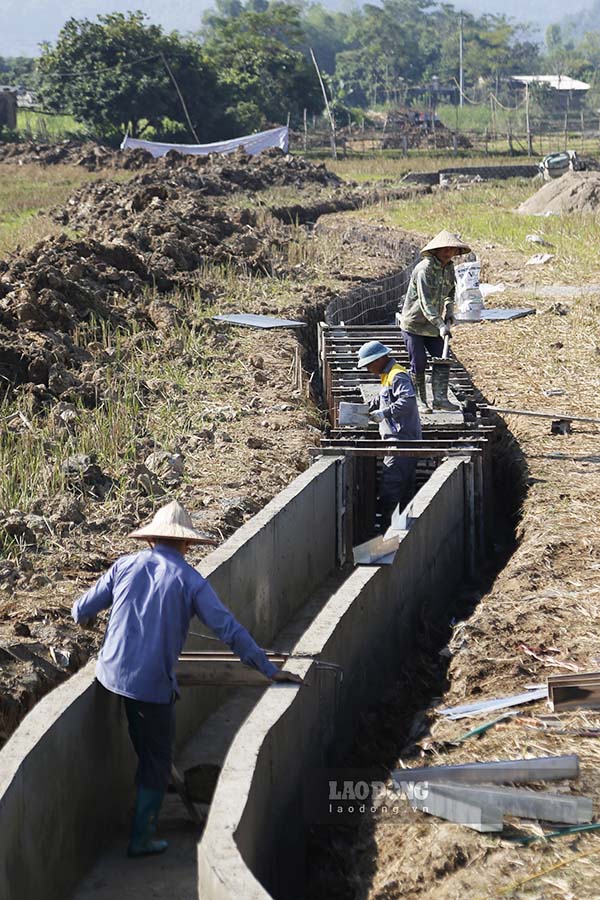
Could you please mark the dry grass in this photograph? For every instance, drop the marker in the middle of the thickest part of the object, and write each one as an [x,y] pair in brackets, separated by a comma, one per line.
[485,213]
[28,193]
[539,618]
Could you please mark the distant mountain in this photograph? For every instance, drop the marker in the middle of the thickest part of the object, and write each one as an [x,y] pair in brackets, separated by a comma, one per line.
[24,24]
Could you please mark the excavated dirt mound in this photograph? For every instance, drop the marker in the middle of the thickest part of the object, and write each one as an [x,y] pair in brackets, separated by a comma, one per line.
[268,169]
[90,155]
[573,192]
[151,235]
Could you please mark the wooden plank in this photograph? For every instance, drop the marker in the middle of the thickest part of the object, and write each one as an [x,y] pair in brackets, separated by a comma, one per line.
[392,442]
[418,453]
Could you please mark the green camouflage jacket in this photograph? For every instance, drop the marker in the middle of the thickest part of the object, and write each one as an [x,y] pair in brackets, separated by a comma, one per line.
[430,286]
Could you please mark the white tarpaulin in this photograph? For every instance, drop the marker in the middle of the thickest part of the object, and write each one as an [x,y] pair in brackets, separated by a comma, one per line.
[252,144]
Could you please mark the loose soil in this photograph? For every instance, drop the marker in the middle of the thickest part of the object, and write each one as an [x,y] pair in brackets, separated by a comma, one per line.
[573,192]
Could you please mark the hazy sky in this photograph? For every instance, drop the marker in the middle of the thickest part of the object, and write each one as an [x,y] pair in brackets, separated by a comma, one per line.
[24,23]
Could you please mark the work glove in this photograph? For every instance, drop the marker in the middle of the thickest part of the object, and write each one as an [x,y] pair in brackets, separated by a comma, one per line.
[448,314]
[445,331]
[377,415]
[374,404]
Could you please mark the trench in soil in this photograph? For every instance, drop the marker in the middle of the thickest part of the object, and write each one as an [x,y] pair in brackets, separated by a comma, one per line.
[341,857]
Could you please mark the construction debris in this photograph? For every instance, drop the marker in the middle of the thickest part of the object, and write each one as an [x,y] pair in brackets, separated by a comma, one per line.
[514,771]
[473,709]
[468,795]
[250,320]
[578,691]
[539,259]
[506,315]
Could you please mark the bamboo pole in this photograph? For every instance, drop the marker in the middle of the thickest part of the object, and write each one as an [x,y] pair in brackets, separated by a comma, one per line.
[327,107]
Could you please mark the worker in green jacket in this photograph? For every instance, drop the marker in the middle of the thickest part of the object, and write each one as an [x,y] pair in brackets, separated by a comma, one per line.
[427,314]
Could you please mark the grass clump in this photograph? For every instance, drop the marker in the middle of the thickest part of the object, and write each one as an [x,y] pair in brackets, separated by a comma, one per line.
[486,212]
[39,126]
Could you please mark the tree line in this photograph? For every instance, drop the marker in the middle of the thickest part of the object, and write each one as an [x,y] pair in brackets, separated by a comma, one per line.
[249,65]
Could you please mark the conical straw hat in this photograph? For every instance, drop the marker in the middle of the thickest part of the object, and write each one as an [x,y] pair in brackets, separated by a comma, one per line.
[172,521]
[446,239]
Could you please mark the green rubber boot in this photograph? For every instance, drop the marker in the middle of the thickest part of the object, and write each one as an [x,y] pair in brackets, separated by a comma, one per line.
[143,829]
[440,376]
[422,403]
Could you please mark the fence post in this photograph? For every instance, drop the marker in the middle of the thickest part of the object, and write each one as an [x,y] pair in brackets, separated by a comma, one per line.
[529,143]
[404,145]
[305,131]
[454,144]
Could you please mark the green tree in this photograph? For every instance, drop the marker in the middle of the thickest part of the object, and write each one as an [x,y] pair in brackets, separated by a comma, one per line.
[16,70]
[261,68]
[110,75]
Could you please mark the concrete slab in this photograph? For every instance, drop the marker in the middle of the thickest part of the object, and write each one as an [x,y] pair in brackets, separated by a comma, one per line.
[378,551]
[172,874]
[445,805]
[571,810]
[543,768]
[202,757]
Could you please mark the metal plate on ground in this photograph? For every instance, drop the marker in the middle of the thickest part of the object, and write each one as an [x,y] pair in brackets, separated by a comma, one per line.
[505,315]
[250,320]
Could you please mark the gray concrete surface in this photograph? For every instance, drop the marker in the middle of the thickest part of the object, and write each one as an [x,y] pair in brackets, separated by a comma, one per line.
[66,774]
[63,778]
[254,842]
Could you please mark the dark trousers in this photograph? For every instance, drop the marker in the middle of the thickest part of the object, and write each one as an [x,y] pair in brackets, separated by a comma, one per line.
[418,346]
[396,486]
[152,733]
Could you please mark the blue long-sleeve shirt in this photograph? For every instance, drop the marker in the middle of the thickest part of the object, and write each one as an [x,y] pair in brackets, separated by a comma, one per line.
[154,594]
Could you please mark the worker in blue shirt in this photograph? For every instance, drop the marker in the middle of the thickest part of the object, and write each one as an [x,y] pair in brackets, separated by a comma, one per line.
[397,416]
[153,595]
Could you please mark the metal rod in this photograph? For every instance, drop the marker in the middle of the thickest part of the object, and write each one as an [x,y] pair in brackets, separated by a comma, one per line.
[541,415]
